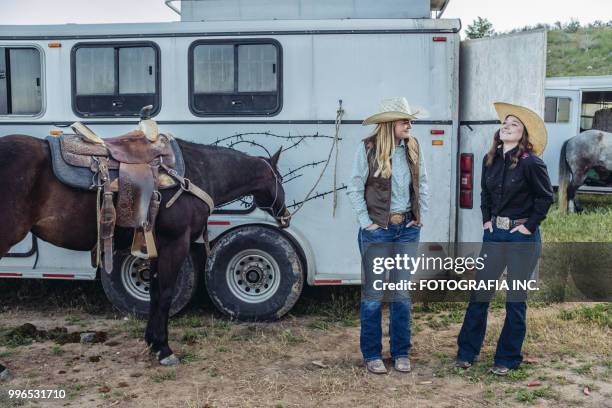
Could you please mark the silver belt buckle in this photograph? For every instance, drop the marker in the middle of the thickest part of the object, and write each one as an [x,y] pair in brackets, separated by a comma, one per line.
[502,223]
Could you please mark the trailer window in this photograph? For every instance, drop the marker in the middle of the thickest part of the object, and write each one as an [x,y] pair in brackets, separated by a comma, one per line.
[595,110]
[20,81]
[557,109]
[115,79]
[235,77]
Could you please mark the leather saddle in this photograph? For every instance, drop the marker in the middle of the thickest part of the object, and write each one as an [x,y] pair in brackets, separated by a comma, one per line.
[128,165]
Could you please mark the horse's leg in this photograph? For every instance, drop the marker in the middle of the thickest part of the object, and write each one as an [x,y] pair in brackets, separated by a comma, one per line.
[577,180]
[171,255]
[153,306]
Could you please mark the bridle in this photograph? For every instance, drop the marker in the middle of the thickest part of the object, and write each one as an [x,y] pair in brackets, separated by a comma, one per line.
[284,219]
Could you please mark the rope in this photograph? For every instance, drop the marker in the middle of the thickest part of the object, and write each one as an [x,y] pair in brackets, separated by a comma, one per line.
[339,114]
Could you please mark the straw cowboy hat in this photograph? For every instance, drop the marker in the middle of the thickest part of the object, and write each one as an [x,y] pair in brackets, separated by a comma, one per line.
[538,136]
[391,109]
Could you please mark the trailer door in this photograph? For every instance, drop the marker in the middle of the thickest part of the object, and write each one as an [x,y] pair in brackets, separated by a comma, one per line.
[509,68]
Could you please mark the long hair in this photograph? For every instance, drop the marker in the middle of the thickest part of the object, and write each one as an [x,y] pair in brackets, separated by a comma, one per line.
[384,141]
[523,146]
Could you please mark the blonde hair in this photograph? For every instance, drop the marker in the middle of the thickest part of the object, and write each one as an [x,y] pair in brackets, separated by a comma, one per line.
[384,140]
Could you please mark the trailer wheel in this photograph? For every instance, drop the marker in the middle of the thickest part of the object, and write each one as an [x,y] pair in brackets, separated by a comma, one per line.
[254,273]
[127,287]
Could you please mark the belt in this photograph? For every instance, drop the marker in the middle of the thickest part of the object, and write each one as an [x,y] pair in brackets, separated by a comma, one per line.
[397,218]
[506,223]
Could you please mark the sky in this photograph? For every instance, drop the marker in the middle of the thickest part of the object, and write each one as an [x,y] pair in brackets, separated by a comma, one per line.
[504,15]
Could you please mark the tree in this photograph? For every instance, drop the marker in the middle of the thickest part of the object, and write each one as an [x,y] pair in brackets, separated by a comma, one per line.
[481,27]
[572,26]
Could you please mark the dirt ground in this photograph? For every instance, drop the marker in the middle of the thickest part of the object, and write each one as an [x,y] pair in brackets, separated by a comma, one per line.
[308,359]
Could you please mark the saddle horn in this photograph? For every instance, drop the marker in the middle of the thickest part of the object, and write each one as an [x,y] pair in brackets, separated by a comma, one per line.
[145,112]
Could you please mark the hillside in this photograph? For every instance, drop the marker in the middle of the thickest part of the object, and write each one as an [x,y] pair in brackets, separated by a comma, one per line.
[587,51]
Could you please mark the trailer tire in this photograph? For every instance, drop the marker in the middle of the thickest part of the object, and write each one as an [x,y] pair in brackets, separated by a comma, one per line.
[254,273]
[127,286]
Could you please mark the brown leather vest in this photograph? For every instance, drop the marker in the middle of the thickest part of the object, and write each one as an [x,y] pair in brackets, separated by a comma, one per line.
[378,189]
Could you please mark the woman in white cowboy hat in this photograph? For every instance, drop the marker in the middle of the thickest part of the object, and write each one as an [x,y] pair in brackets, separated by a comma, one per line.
[515,198]
[389,202]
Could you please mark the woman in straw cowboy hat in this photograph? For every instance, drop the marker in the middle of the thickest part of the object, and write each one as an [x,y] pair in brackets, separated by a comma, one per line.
[515,198]
[389,201]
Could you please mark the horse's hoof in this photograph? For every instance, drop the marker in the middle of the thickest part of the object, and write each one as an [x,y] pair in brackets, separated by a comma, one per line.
[4,373]
[170,361]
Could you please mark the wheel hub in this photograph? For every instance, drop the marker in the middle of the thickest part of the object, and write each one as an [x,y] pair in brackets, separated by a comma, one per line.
[135,276]
[253,275]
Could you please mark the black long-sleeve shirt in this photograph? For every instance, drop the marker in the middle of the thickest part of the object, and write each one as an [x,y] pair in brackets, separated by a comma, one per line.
[522,192]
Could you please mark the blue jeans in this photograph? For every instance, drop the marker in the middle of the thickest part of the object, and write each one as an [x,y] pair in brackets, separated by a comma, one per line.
[520,265]
[371,310]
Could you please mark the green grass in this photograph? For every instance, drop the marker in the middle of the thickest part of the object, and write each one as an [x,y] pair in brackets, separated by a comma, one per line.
[188,321]
[134,327]
[192,335]
[600,314]
[594,224]
[164,376]
[588,51]
[528,396]
[56,350]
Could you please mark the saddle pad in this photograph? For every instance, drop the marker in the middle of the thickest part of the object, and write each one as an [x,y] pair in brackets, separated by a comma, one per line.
[80,176]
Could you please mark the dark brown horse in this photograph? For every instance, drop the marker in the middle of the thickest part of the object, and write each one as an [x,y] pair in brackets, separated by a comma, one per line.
[33,199]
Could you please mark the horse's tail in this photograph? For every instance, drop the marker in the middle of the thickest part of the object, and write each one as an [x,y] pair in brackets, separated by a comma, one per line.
[564,176]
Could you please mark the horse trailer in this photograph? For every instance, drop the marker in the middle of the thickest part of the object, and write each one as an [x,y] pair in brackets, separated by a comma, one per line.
[263,74]
[572,104]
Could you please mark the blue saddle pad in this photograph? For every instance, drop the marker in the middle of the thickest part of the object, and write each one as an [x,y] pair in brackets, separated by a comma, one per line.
[82,177]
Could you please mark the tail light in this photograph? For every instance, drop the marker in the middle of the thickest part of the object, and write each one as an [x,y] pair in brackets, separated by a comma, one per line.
[466,182]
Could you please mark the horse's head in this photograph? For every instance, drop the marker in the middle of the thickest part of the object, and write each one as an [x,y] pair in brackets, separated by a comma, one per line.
[270,195]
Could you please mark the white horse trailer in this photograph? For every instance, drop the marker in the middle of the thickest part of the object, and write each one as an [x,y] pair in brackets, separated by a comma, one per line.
[570,106]
[275,80]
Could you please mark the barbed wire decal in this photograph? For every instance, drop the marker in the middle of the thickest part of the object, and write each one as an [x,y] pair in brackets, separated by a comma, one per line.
[317,195]
[246,138]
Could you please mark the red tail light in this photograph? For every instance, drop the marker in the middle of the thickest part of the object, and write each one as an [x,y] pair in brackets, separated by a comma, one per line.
[466,181]
[466,184]
[467,162]
[465,199]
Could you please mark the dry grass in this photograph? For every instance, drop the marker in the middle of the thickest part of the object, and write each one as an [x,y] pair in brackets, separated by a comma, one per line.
[271,364]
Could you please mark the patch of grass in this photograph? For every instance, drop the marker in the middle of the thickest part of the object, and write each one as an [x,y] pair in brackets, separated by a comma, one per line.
[71,319]
[222,349]
[188,357]
[584,369]
[7,402]
[594,224]
[335,305]
[6,354]
[190,321]
[192,336]
[56,350]
[600,314]
[133,327]
[519,374]
[288,337]
[528,396]
[213,372]
[17,340]
[488,394]
[584,51]
[319,324]
[72,390]
[169,375]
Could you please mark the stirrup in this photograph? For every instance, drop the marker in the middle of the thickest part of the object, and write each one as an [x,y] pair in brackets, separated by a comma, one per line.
[143,238]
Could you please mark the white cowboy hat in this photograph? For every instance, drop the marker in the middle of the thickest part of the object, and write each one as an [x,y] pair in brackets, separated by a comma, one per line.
[392,109]
[538,137]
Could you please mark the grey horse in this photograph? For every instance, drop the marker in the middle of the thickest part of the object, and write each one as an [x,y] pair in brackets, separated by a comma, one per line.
[591,149]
